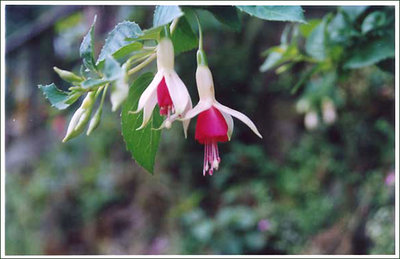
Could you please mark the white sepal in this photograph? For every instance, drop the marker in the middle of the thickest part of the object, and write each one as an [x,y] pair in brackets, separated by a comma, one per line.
[150,90]
[148,109]
[177,90]
[239,116]
[229,122]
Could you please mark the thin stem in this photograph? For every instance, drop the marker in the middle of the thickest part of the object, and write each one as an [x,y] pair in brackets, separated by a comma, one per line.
[99,91]
[173,25]
[104,95]
[143,64]
[149,47]
[200,32]
[133,61]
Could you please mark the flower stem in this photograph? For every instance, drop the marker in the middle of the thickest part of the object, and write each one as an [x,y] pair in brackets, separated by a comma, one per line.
[200,32]
[201,55]
[142,65]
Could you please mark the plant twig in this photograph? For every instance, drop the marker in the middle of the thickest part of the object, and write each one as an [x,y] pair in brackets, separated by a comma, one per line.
[142,65]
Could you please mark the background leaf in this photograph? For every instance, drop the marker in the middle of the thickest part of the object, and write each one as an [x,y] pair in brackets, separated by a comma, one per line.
[275,13]
[372,52]
[143,144]
[353,12]
[58,99]
[183,38]
[117,43]
[86,49]
[315,43]
[227,15]
[165,14]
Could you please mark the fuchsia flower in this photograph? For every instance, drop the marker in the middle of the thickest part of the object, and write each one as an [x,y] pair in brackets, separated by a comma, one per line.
[214,122]
[167,90]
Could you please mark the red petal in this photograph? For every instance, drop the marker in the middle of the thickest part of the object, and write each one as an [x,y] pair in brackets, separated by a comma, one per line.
[211,126]
[163,97]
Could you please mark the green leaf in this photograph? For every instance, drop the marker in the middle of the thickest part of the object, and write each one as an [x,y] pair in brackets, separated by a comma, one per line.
[280,55]
[58,98]
[112,69]
[117,43]
[122,52]
[272,60]
[150,34]
[86,49]
[372,52]
[143,144]
[183,38]
[227,15]
[92,83]
[353,12]
[165,14]
[373,20]
[307,28]
[275,13]
[339,29]
[315,43]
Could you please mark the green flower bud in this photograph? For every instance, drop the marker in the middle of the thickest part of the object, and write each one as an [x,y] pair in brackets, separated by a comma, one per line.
[95,121]
[68,76]
[80,117]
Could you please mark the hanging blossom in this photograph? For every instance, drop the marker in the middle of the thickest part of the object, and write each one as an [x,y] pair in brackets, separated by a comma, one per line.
[214,122]
[167,90]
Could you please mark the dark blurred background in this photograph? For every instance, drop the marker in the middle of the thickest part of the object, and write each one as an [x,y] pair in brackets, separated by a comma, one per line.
[307,187]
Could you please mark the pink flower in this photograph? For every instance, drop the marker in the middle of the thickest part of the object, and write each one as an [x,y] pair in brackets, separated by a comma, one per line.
[214,122]
[166,89]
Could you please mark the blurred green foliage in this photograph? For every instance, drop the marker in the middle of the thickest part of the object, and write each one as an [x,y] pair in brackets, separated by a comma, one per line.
[326,189]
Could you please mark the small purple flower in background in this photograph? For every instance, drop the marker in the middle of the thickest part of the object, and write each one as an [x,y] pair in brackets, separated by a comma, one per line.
[264,225]
[390,178]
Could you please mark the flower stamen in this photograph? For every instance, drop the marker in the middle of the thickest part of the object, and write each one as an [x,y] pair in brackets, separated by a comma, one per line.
[211,157]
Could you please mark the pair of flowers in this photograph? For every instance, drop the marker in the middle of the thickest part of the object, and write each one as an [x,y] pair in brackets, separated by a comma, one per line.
[214,122]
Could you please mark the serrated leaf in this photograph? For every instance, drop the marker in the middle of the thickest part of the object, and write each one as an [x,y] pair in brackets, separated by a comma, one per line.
[58,98]
[275,13]
[164,14]
[372,52]
[117,39]
[183,38]
[91,83]
[86,49]
[150,34]
[143,144]
[227,15]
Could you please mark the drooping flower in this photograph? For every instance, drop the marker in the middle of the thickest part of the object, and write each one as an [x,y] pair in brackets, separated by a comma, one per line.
[166,89]
[214,122]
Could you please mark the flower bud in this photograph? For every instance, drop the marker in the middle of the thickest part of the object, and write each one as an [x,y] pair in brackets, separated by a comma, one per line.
[95,121]
[328,111]
[302,106]
[68,76]
[80,117]
[311,120]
